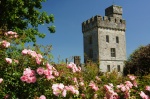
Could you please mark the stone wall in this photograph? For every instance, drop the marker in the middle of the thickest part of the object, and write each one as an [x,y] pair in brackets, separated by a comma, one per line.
[104,47]
[94,45]
[113,66]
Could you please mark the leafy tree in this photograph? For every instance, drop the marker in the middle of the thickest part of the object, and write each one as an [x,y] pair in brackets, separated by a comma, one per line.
[24,17]
[138,62]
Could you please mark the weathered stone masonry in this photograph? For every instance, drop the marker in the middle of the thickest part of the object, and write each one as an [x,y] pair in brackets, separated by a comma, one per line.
[104,39]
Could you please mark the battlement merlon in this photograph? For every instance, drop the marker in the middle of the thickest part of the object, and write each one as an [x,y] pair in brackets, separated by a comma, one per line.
[105,22]
[114,11]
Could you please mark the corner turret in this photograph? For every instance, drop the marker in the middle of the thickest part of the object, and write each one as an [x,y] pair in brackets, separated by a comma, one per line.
[114,11]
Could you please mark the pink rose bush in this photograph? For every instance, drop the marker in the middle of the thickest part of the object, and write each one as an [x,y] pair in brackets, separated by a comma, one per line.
[28,74]
[123,91]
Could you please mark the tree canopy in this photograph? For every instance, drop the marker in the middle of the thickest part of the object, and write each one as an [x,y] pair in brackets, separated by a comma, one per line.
[139,61]
[24,17]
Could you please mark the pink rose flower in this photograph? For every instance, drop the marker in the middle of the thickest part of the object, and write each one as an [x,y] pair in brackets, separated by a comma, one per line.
[49,66]
[48,72]
[39,56]
[70,65]
[40,71]
[74,67]
[64,93]
[83,96]
[81,83]
[28,76]
[97,78]
[128,84]
[11,34]
[5,44]
[24,78]
[93,86]
[134,83]
[29,72]
[32,53]
[72,89]
[107,88]
[56,73]
[16,61]
[58,89]
[8,60]
[147,88]
[1,80]
[38,61]
[131,77]
[144,96]
[50,77]
[25,51]
[42,97]
[33,79]
[16,36]
[127,95]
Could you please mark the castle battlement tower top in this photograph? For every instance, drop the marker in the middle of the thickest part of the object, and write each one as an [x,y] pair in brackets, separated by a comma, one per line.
[111,20]
[104,39]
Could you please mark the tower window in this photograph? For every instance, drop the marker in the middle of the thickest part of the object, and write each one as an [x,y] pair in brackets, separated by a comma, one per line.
[90,53]
[113,52]
[118,68]
[90,39]
[108,68]
[107,38]
[117,39]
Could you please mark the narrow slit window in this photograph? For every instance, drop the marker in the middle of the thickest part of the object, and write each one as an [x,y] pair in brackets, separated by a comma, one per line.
[113,52]
[90,53]
[117,39]
[118,68]
[90,39]
[108,68]
[107,38]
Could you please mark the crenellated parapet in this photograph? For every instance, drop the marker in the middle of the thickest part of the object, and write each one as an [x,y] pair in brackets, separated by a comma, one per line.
[104,22]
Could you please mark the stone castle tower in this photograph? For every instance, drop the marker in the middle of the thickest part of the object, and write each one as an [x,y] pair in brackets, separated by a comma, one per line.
[104,39]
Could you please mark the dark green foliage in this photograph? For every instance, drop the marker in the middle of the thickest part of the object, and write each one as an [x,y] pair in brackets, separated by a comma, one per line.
[24,17]
[138,62]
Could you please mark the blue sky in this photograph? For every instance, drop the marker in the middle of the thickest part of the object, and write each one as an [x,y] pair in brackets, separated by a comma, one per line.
[69,14]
